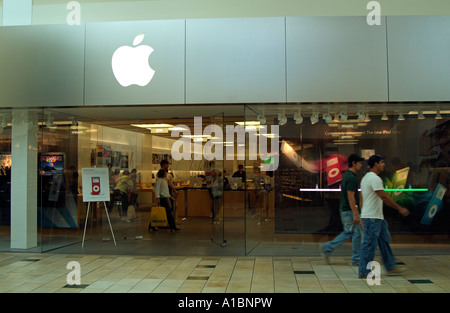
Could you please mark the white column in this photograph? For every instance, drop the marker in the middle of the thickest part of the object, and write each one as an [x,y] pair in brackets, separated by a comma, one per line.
[24,175]
[23,150]
[17,12]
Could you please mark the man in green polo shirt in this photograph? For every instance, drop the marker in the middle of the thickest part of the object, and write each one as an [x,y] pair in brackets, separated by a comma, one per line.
[348,207]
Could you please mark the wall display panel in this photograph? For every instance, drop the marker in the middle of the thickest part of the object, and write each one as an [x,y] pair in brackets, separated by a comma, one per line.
[419,62]
[335,59]
[235,60]
[135,63]
[41,66]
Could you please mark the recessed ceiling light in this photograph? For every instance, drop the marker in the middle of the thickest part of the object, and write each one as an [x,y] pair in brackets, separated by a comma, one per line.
[249,123]
[152,125]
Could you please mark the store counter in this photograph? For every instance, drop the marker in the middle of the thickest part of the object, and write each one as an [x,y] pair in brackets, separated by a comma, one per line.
[195,202]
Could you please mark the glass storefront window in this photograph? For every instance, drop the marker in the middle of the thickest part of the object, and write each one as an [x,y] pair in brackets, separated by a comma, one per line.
[283,199]
[5,176]
[313,157]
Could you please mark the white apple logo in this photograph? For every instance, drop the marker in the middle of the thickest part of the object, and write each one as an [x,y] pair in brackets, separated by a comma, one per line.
[130,65]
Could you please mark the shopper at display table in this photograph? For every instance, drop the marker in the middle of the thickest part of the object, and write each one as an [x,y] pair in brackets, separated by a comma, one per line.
[122,192]
[134,191]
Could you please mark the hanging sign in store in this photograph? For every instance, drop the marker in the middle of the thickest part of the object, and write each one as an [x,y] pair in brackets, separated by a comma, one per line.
[334,174]
[434,205]
[95,182]
[399,182]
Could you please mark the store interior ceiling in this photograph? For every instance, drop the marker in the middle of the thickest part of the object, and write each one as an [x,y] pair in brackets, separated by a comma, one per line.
[122,117]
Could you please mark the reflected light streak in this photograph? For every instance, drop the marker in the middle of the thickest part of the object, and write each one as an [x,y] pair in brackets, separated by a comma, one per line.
[339,189]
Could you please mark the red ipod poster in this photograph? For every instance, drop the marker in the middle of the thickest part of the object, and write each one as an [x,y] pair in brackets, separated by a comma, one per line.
[95,182]
[333,170]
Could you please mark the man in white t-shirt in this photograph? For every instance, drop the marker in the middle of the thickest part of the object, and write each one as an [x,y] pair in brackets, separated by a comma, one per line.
[376,232]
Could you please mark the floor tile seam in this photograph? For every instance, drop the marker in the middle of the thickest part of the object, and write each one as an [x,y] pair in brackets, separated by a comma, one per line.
[17,288]
[353,272]
[424,287]
[162,268]
[22,284]
[12,267]
[286,270]
[230,277]
[116,262]
[182,269]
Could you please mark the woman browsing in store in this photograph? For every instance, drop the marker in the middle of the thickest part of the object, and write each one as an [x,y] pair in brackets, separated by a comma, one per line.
[161,190]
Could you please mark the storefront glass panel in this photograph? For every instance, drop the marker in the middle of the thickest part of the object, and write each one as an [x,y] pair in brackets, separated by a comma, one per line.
[313,155]
[5,179]
[59,204]
[140,138]
[284,211]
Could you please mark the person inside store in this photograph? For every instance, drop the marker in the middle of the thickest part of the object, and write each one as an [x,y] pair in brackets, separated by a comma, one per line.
[74,182]
[240,173]
[116,177]
[348,207]
[226,182]
[209,180]
[162,194]
[111,176]
[217,194]
[122,192]
[134,193]
[169,178]
[165,166]
[376,232]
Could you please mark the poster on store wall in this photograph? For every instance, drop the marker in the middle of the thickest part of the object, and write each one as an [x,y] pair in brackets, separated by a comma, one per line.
[5,164]
[333,170]
[115,159]
[398,182]
[103,155]
[51,164]
[5,160]
[95,184]
[434,205]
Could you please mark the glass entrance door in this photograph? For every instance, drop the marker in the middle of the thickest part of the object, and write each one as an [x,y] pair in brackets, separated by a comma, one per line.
[215,183]
[252,181]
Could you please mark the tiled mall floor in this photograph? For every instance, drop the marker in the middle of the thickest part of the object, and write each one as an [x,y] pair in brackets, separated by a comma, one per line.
[48,273]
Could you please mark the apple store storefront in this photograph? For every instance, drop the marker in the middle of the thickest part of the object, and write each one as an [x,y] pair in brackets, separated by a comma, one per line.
[254,117]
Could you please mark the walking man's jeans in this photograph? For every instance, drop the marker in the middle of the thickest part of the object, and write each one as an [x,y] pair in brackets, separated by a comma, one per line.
[376,233]
[350,231]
